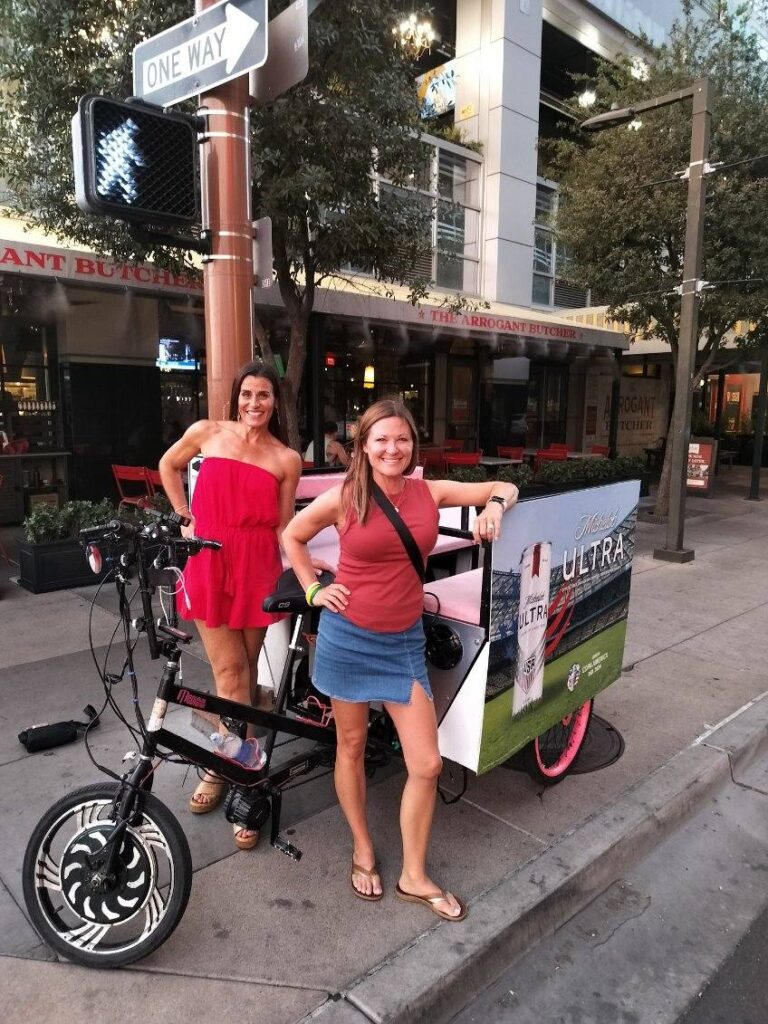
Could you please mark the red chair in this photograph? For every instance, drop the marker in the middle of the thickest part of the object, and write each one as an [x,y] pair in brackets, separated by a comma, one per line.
[462,458]
[154,482]
[556,446]
[133,475]
[432,459]
[453,445]
[599,449]
[507,451]
[549,455]
[307,465]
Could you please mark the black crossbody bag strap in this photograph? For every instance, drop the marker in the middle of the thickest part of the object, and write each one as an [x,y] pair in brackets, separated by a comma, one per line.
[403,532]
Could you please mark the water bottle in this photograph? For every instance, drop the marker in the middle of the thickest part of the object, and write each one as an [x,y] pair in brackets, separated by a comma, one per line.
[248,752]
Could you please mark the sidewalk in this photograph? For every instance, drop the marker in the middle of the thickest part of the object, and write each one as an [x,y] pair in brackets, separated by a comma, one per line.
[283,942]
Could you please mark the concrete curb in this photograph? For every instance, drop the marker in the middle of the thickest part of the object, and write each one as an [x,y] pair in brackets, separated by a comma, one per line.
[435,976]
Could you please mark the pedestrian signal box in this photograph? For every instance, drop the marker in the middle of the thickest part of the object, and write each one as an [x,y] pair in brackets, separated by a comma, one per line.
[135,162]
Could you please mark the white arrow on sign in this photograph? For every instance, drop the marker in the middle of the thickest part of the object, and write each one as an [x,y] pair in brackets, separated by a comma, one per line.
[223,42]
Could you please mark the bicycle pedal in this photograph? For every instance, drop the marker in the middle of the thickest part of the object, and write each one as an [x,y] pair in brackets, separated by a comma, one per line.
[288,848]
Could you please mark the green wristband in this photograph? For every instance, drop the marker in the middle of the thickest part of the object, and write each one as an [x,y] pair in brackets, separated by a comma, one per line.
[311,592]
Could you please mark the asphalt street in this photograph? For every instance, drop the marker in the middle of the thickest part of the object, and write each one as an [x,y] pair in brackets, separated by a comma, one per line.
[643,951]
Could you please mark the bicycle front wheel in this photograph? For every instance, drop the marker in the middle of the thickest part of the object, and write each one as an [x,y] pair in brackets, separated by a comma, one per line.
[114,920]
[550,757]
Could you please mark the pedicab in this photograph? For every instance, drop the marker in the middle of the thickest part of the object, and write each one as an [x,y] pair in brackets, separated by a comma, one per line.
[521,636]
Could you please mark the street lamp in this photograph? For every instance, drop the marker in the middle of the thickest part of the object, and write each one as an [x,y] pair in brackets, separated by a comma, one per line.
[700,93]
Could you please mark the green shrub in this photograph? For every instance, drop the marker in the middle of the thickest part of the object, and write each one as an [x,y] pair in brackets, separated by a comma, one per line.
[46,524]
[521,476]
[591,472]
[468,474]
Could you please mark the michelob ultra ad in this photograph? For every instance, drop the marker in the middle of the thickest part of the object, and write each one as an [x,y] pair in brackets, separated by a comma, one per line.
[550,624]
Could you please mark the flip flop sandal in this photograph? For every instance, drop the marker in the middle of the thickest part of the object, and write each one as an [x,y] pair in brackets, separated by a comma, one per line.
[246,839]
[213,790]
[430,902]
[371,873]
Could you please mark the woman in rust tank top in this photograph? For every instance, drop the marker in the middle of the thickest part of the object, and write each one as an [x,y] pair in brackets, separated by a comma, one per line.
[370,643]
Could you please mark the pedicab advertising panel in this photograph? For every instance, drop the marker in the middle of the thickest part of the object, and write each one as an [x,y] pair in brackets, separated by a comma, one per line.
[555,623]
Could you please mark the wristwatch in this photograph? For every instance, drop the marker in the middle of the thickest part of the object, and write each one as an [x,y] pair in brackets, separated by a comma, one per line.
[501,501]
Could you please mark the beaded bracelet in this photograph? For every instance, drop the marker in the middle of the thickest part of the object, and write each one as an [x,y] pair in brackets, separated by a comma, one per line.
[311,592]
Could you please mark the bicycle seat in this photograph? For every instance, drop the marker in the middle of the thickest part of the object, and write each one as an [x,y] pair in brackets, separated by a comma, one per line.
[289,596]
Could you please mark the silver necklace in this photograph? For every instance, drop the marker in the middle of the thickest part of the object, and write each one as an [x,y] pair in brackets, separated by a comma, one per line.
[397,497]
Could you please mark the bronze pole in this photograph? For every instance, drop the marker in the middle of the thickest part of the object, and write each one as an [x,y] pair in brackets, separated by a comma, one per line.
[228,272]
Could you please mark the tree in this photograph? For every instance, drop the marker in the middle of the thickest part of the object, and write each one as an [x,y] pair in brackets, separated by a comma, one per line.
[314,148]
[622,210]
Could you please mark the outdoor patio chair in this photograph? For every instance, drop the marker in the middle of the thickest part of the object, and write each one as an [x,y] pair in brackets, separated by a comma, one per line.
[549,455]
[432,459]
[462,458]
[599,449]
[136,476]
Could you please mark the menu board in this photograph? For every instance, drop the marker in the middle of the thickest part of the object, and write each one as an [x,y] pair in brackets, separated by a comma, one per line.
[700,475]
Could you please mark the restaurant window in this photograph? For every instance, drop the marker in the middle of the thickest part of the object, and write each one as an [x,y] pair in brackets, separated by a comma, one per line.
[363,363]
[29,400]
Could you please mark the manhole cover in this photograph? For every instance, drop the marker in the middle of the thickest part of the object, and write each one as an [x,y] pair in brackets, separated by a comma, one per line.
[603,745]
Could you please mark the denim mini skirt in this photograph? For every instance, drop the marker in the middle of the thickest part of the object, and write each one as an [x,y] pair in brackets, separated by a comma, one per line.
[358,665]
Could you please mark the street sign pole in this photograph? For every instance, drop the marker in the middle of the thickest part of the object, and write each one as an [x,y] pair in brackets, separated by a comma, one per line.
[228,271]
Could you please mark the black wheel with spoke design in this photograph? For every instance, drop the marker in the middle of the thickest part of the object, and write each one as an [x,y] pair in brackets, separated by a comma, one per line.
[550,757]
[100,915]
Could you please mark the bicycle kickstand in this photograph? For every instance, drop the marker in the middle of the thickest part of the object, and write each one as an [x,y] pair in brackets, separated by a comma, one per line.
[276,839]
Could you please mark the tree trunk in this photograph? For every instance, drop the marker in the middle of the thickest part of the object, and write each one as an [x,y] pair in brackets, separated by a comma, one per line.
[291,383]
[661,509]
[762,408]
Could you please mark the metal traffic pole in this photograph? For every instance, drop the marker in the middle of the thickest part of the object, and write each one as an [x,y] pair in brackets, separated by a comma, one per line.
[674,550]
[226,203]
[700,92]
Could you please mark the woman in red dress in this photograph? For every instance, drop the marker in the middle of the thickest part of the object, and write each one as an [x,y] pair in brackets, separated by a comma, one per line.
[244,497]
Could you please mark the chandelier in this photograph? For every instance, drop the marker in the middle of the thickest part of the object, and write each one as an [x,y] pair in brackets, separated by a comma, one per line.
[416,37]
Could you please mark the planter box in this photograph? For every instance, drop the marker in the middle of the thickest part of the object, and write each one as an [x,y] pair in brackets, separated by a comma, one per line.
[54,566]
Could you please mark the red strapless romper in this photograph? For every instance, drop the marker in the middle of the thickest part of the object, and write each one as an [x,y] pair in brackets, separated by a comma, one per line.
[235,503]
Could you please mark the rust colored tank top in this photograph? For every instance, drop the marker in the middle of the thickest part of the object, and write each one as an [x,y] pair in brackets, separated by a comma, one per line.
[386,595]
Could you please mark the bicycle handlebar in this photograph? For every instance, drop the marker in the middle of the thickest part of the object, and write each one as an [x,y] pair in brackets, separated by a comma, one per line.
[157,533]
[114,527]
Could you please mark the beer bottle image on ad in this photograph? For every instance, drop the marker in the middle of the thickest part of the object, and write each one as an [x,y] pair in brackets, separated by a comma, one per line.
[535,566]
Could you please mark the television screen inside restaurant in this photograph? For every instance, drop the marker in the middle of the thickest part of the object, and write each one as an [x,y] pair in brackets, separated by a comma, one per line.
[175,354]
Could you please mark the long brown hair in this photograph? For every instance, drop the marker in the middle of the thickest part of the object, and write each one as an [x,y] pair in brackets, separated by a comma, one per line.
[276,425]
[357,485]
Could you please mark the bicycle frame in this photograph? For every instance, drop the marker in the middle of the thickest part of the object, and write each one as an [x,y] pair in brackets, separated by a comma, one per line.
[265,783]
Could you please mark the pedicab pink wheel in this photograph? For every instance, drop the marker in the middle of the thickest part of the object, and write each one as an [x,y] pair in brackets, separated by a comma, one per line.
[550,757]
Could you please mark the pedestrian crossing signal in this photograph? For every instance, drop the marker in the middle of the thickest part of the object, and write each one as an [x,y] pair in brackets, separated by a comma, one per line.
[135,162]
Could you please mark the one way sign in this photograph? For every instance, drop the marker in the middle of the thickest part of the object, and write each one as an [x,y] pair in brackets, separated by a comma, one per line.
[220,43]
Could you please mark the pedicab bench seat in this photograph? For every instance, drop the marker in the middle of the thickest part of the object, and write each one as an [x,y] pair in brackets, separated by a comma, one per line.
[459,596]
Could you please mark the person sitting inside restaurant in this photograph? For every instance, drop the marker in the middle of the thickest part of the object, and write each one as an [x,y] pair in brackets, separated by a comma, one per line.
[335,453]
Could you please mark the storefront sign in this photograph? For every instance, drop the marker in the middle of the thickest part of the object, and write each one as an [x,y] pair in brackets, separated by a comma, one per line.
[83,268]
[642,414]
[502,324]
[700,474]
